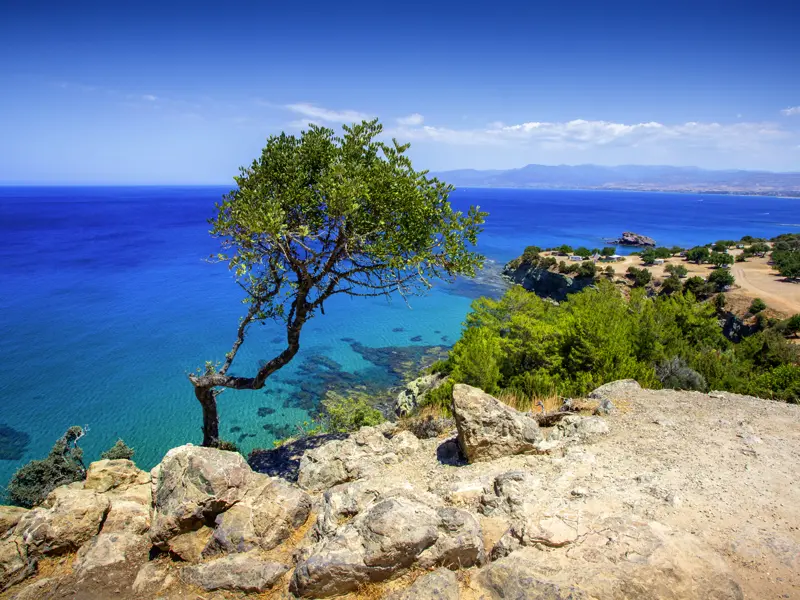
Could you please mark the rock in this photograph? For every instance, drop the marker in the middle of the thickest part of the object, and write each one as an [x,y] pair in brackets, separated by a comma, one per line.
[629,238]
[428,427]
[488,429]
[543,282]
[616,390]
[68,518]
[151,579]
[579,428]
[190,546]
[618,558]
[409,398]
[15,564]
[35,590]
[357,456]
[105,475]
[270,511]
[512,494]
[240,572]
[108,549]
[191,486]
[383,541]
[9,517]
[127,516]
[441,584]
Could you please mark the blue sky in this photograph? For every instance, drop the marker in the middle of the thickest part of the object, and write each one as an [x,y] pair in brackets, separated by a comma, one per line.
[174,92]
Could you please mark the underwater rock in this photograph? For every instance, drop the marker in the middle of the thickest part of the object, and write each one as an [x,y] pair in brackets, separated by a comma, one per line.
[13,443]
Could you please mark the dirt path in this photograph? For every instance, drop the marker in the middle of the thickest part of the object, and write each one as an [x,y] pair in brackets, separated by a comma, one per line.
[757,279]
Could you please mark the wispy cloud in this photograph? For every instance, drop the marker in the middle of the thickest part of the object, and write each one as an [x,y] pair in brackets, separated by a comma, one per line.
[412,119]
[792,110]
[149,97]
[581,133]
[315,113]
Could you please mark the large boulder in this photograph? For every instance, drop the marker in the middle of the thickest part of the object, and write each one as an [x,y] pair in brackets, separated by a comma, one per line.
[269,512]
[385,540]
[239,572]
[617,558]
[191,486]
[191,545]
[579,428]
[68,518]
[15,565]
[127,516]
[354,457]
[415,391]
[105,475]
[9,517]
[488,429]
[440,584]
[108,549]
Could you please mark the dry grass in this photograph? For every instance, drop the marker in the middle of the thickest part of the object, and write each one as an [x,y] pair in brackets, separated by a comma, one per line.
[535,403]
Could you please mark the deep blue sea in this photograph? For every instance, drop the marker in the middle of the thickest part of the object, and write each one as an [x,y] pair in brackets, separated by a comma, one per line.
[106,303]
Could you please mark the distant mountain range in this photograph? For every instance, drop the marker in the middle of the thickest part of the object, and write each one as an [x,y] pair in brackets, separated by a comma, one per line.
[630,177]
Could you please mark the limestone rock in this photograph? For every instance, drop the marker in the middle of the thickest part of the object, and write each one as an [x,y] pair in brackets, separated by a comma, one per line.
[383,541]
[240,572]
[108,549]
[35,590]
[269,512]
[127,516]
[152,578]
[68,518]
[357,456]
[409,398]
[488,429]
[15,565]
[189,546]
[629,238]
[579,428]
[618,558]
[441,584]
[614,391]
[191,486]
[105,475]
[9,517]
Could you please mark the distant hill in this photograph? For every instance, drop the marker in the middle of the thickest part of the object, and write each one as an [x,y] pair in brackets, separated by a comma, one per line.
[630,177]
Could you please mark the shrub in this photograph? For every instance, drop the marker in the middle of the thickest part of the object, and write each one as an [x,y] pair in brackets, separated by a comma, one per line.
[756,306]
[583,252]
[441,398]
[475,359]
[719,302]
[672,285]
[349,413]
[609,271]
[675,374]
[226,445]
[720,259]
[793,324]
[677,270]
[31,484]
[117,451]
[721,279]
[697,255]
[587,269]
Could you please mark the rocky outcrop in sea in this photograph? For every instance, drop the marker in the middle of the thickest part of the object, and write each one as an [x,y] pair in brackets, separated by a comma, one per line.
[629,238]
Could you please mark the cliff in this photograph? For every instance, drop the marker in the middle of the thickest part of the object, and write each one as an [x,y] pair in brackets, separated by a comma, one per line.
[676,495]
[543,282]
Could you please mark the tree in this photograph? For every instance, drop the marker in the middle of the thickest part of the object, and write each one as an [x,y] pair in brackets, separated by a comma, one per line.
[672,285]
[719,259]
[720,302]
[677,270]
[565,249]
[698,287]
[720,247]
[587,269]
[583,252]
[117,451]
[648,257]
[697,255]
[318,215]
[675,250]
[31,484]
[608,251]
[757,305]
[721,279]
[793,324]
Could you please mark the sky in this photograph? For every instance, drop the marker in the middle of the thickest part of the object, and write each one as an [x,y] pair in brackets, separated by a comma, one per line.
[177,92]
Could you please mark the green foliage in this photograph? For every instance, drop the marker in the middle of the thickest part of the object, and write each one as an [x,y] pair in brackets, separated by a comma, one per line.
[720,302]
[721,279]
[608,251]
[441,397]
[793,324]
[565,249]
[672,285]
[787,262]
[523,344]
[31,484]
[609,271]
[119,450]
[349,413]
[587,269]
[677,270]
[757,305]
[675,250]
[719,259]
[698,255]
[640,277]
[698,287]
[226,445]
[583,252]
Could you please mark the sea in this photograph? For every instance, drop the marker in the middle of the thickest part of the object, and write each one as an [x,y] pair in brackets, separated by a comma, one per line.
[108,301]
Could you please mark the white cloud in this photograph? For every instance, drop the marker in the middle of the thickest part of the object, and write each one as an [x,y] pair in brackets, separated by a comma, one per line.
[315,114]
[149,97]
[792,110]
[412,119]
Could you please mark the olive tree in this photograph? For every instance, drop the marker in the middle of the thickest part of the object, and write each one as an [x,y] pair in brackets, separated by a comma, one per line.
[319,215]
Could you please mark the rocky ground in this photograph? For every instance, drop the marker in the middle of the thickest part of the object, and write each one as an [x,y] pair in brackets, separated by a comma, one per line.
[669,495]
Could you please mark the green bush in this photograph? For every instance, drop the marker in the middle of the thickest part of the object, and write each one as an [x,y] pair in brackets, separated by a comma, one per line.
[342,414]
[475,359]
[756,306]
[226,445]
[117,451]
[441,397]
[672,285]
[721,279]
[587,269]
[677,270]
[31,484]
[675,374]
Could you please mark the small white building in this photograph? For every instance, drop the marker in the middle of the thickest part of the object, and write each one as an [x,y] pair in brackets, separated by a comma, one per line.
[658,261]
[576,258]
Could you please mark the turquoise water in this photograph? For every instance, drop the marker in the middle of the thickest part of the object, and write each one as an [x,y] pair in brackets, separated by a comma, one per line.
[106,304]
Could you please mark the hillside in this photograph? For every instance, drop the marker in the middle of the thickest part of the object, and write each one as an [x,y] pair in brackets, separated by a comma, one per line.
[669,495]
[630,177]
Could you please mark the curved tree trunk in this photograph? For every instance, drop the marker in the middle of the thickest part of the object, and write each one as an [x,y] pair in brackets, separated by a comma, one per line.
[208,401]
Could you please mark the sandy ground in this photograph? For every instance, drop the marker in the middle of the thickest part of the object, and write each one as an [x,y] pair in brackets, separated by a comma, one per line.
[755,278]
